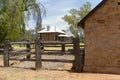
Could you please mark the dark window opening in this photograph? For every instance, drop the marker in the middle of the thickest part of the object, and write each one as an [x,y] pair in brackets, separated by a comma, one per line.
[118,3]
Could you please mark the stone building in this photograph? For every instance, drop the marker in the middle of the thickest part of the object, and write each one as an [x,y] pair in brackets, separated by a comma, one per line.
[102,37]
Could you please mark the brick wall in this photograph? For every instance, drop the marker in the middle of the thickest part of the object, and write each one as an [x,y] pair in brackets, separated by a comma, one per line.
[102,39]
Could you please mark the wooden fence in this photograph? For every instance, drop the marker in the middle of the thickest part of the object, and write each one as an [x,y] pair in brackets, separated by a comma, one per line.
[8,51]
[77,63]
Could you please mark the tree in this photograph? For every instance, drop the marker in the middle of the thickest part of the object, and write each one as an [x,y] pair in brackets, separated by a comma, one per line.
[74,16]
[36,10]
[14,15]
[28,35]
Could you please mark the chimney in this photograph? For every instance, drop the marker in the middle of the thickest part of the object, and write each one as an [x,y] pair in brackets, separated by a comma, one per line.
[48,28]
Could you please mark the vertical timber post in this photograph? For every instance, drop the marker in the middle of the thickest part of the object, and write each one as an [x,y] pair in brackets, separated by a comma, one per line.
[78,63]
[38,61]
[28,48]
[63,48]
[6,53]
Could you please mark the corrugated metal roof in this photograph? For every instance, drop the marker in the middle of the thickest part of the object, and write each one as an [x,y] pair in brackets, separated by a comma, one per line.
[51,30]
[64,35]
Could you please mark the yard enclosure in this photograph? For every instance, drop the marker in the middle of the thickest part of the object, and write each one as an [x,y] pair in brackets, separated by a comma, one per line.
[77,63]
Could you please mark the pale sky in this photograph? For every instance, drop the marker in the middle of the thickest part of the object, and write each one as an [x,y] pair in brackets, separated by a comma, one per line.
[56,9]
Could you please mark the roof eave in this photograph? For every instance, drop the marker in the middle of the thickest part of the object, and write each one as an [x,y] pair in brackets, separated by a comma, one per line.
[81,22]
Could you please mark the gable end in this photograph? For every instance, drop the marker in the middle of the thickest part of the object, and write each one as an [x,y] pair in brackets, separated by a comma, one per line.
[81,23]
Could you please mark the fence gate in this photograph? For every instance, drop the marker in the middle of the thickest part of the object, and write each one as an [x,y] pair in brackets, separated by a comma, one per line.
[77,63]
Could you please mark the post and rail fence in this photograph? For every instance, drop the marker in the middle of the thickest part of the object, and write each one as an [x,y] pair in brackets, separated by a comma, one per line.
[77,63]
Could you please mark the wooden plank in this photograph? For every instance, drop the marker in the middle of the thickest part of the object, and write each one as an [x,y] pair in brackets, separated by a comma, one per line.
[78,63]
[6,53]
[38,62]
[16,52]
[18,59]
[46,60]
[55,42]
[57,60]
[28,48]
[52,45]
[51,50]
[63,48]
[25,42]
[56,53]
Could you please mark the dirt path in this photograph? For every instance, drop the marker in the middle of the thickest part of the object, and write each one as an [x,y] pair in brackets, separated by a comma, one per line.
[27,74]
[49,71]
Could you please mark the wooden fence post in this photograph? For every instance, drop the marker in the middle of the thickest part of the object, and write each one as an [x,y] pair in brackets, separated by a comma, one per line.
[28,48]
[38,61]
[78,63]
[6,53]
[63,48]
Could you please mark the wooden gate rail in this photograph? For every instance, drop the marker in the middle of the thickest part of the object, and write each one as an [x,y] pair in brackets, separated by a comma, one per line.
[23,52]
[56,53]
[45,60]
[77,63]
[56,42]
[24,42]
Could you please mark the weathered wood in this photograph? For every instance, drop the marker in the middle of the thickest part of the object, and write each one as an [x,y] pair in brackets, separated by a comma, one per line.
[24,42]
[38,62]
[45,60]
[18,59]
[78,63]
[57,60]
[56,53]
[16,52]
[28,48]
[6,54]
[55,42]
[63,48]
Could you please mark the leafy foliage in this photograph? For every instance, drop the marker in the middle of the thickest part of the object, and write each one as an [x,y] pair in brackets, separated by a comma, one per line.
[74,16]
[14,15]
[28,35]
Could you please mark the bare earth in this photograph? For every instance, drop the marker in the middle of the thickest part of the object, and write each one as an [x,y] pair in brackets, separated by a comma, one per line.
[49,71]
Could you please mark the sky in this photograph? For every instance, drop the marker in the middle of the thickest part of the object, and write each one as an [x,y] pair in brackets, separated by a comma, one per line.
[56,9]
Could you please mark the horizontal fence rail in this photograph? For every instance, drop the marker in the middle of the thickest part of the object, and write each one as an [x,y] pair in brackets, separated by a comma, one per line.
[55,42]
[25,54]
[25,42]
[45,60]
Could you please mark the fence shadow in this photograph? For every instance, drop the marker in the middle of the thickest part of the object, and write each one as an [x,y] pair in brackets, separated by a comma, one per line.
[1,52]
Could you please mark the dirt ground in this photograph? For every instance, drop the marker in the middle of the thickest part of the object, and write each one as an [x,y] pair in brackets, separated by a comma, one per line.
[49,71]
